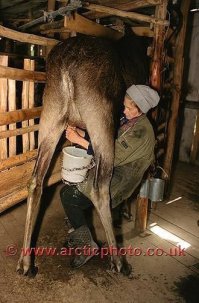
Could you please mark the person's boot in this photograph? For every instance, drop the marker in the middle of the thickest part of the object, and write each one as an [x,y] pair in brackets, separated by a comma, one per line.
[81,240]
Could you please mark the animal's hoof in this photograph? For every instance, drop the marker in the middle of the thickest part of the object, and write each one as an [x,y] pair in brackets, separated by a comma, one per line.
[31,272]
[24,268]
[116,264]
[127,269]
[121,265]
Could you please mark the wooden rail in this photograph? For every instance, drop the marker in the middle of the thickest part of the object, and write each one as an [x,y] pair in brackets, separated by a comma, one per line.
[17,160]
[27,38]
[130,15]
[21,74]
[20,115]
[18,131]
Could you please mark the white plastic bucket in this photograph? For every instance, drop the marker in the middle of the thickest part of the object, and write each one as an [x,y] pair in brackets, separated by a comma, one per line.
[76,163]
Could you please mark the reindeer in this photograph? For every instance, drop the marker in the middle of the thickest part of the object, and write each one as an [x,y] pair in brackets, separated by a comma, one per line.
[86,82]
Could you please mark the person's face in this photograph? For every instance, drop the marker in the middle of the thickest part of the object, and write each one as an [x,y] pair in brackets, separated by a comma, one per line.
[130,109]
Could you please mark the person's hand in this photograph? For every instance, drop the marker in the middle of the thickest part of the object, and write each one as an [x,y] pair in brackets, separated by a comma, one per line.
[72,135]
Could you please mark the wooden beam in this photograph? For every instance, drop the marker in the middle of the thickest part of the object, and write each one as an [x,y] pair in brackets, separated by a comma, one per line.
[19,115]
[177,79]
[130,15]
[85,26]
[129,6]
[26,38]
[20,74]
[55,30]
[19,131]
[82,25]
[47,26]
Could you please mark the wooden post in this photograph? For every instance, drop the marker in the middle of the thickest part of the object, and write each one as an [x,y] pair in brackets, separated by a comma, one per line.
[3,107]
[51,8]
[65,35]
[158,46]
[177,80]
[11,107]
[141,214]
[31,105]
[25,104]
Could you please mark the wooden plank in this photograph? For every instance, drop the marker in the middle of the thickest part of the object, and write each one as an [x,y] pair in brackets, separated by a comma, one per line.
[15,178]
[31,105]
[25,104]
[21,75]
[18,159]
[193,250]
[18,177]
[85,26]
[3,107]
[172,214]
[130,15]
[21,194]
[11,107]
[20,115]
[19,131]
[27,38]
[167,245]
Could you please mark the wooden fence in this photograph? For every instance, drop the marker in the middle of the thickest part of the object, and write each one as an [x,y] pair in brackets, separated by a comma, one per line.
[19,123]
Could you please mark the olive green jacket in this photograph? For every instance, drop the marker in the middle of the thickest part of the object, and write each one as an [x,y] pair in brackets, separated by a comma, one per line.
[134,152]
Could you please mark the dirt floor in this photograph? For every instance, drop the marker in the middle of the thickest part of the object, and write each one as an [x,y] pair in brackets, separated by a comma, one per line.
[156,278]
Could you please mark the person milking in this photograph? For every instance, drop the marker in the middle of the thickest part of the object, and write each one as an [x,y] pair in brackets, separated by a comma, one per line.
[134,153]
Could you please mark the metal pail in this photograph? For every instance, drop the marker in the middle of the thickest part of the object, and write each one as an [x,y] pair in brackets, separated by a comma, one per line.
[76,163]
[156,189]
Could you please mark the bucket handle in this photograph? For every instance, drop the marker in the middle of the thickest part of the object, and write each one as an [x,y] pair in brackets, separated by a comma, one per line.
[166,176]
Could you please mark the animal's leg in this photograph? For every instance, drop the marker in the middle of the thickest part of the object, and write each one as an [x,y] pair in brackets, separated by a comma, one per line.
[101,200]
[103,145]
[51,128]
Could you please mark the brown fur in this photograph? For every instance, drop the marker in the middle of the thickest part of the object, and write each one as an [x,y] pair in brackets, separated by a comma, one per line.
[85,87]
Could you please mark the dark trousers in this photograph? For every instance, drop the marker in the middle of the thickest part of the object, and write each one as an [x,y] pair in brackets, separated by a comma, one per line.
[74,204]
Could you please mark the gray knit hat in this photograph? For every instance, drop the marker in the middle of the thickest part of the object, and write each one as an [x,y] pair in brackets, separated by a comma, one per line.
[144,97]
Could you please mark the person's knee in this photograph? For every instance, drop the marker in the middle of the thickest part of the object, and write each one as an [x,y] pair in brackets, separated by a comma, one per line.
[66,194]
